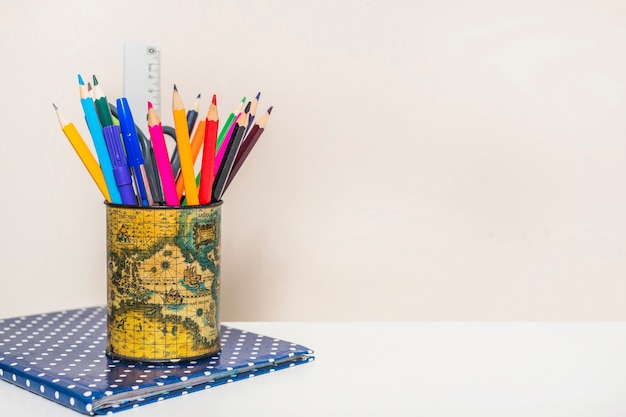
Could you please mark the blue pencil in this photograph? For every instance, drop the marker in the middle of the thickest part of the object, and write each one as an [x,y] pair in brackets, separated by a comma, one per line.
[95,129]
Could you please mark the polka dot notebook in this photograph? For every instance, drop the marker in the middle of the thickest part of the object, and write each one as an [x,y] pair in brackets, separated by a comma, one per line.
[61,356]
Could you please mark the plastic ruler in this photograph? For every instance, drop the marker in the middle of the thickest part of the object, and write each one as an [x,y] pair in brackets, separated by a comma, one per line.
[142,83]
[142,79]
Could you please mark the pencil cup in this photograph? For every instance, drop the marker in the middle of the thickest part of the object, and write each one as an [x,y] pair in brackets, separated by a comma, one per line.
[163,282]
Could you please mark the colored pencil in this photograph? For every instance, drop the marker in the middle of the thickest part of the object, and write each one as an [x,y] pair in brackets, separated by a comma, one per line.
[191,121]
[102,104]
[184,149]
[95,129]
[192,114]
[221,151]
[208,154]
[92,93]
[162,158]
[229,123]
[252,114]
[248,144]
[83,152]
[196,145]
[219,183]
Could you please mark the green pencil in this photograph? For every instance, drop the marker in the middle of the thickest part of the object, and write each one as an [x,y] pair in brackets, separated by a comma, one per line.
[102,105]
[229,121]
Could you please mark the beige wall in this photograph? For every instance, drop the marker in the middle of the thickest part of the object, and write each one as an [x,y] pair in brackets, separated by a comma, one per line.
[426,160]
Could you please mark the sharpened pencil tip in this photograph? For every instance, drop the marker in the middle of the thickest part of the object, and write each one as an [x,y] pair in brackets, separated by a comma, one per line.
[214,100]
[175,89]
[269,111]
[150,105]
[258,95]
[95,80]
[89,86]
[55,106]
[247,109]
[199,95]
[80,80]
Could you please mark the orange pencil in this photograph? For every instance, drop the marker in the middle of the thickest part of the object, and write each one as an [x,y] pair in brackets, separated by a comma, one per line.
[196,145]
[208,154]
[184,149]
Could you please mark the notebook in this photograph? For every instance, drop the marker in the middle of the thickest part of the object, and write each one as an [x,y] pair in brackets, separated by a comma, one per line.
[61,356]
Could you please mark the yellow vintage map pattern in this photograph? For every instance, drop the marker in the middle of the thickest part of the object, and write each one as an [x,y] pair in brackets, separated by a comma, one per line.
[163,282]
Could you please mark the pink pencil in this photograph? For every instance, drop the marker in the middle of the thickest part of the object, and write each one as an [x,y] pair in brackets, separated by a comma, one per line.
[220,153]
[162,158]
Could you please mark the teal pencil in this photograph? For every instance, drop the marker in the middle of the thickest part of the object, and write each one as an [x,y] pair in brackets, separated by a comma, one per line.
[95,129]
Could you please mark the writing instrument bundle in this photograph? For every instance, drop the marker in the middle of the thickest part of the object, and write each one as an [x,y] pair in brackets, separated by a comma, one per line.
[133,168]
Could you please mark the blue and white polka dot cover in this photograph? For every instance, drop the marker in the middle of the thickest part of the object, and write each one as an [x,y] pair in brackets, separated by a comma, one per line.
[61,356]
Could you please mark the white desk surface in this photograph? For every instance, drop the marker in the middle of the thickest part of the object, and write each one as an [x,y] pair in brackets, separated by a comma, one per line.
[412,369]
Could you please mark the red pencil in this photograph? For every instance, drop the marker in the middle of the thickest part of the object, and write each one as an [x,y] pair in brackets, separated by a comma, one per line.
[208,153]
[246,147]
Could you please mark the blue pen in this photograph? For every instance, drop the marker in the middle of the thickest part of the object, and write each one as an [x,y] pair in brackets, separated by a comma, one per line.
[118,161]
[133,150]
[95,129]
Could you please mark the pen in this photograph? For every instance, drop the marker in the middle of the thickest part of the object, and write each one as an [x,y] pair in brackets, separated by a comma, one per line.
[184,149]
[95,129]
[133,150]
[120,168]
[208,153]
[85,155]
[150,166]
[162,158]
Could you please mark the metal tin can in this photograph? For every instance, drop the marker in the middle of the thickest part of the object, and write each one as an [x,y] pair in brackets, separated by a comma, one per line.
[163,282]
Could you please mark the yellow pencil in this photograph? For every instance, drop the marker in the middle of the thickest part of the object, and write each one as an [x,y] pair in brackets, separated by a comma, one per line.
[184,149]
[84,153]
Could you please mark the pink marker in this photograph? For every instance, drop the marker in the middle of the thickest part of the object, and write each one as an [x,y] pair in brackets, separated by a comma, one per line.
[162,158]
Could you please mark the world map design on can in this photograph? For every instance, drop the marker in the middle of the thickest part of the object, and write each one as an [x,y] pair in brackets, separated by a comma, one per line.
[163,282]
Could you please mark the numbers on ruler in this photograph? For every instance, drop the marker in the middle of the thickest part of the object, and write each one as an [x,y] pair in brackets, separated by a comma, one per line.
[154,76]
